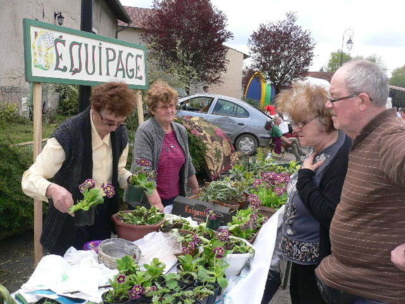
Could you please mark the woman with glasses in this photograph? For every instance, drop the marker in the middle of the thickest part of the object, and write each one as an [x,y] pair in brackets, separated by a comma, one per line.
[161,145]
[90,145]
[313,192]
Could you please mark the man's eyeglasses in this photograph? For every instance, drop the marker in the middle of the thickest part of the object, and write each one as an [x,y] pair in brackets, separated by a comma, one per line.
[302,124]
[110,123]
[333,100]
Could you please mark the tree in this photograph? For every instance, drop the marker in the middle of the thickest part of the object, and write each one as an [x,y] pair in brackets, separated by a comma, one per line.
[334,60]
[398,77]
[336,57]
[188,34]
[283,51]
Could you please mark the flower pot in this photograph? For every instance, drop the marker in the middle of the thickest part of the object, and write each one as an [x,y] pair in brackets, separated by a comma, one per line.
[132,232]
[237,261]
[214,220]
[110,250]
[135,196]
[107,302]
[85,218]
[266,211]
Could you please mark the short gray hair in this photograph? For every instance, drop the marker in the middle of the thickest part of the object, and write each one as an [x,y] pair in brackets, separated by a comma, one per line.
[363,76]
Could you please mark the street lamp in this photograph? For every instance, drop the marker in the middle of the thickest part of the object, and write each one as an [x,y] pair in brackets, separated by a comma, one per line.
[59,17]
[349,43]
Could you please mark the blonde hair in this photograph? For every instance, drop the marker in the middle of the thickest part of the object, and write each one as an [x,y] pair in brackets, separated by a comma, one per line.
[303,101]
[160,91]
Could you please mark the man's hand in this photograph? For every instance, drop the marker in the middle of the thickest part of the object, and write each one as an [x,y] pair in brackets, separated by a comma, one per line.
[398,257]
[62,199]
[309,163]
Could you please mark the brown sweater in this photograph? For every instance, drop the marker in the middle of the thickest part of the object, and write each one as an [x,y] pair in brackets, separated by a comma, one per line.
[369,221]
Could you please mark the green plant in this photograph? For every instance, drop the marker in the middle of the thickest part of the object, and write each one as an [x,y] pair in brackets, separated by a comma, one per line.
[142,216]
[16,209]
[222,191]
[8,112]
[69,95]
[144,179]
[246,223]
[92,196]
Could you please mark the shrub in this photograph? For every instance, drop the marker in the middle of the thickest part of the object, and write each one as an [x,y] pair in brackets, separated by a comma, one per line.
[16,209]
[9,112]
[69,99]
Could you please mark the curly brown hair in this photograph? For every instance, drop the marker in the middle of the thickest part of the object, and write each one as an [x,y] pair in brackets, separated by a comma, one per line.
[115,97]
[304,100]
[160,91]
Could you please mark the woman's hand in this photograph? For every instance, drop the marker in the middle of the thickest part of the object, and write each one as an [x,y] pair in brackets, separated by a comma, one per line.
[62,199]
[398,257]
[309,163]
[154,200]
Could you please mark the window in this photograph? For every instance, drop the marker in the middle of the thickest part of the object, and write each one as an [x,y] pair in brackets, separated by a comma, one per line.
[198,104]
[227,108]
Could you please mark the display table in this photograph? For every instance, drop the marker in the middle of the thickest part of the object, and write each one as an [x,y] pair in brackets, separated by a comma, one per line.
[79,274]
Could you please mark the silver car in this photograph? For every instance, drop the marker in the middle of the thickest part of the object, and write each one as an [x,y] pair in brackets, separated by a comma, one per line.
[247,126]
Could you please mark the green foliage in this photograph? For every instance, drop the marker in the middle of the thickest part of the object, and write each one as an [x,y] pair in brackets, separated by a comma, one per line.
[335,59]
[253,102]
[198,149]
[142,216]
[398,77]
[9,113]
[69,99]
[16,209]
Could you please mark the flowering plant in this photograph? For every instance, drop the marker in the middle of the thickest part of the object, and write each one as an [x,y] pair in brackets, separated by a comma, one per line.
[269,190]
[133,283]
[245,223]
[142,177]
[91,195]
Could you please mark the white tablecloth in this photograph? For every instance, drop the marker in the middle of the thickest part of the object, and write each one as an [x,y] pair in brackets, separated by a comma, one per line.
[81,272]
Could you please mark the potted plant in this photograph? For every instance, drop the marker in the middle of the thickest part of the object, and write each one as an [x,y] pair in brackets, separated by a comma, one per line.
[224,192]
[132,284]
[141,183]
[135,224]
[246,223]
[84,210]
[214,219]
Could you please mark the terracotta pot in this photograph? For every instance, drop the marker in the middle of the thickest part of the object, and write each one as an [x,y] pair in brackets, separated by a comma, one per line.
[132,232]
[266,211]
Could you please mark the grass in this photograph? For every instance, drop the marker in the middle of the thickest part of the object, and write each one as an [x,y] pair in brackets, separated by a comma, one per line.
[15,133]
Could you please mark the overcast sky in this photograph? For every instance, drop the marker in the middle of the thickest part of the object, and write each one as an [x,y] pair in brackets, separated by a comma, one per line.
[378,27]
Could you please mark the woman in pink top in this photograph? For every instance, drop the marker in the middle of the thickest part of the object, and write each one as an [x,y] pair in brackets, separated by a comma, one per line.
[162,145]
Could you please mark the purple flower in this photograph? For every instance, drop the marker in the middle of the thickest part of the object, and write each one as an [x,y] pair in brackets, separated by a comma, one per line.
[279,190]
[121,278]
[219,252]
[87,184]
[109,190]
[223,234]
[254,201]
[136,292]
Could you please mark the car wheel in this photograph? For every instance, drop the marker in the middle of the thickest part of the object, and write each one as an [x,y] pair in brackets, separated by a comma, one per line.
[246,143]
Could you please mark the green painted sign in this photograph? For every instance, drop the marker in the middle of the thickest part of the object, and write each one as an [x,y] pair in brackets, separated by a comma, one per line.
[58,54]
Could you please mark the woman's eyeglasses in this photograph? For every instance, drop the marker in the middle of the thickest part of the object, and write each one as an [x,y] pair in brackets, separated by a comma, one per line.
[110,123]
[167,107]
[302,124]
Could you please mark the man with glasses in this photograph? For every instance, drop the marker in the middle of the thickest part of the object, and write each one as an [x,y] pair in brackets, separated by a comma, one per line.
[369,221]
[90,145]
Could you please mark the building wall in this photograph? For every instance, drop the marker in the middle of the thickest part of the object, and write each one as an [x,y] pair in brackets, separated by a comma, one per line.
[232,79]
[13,87]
